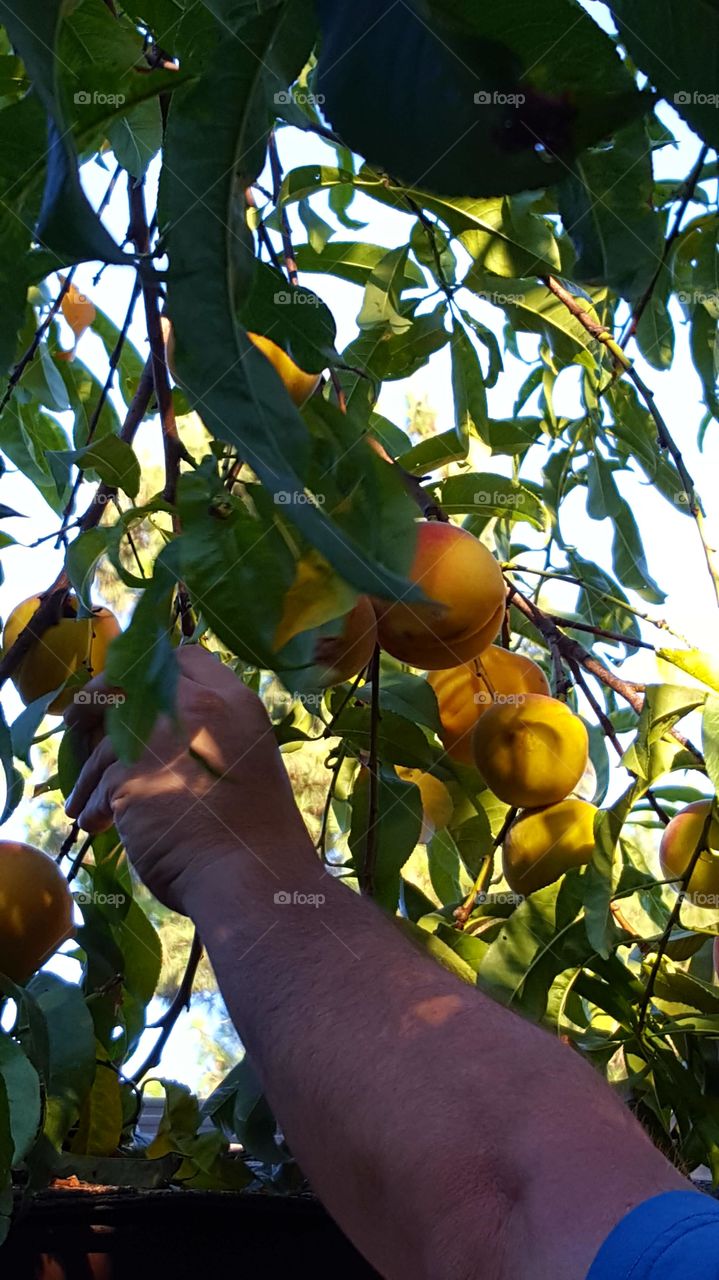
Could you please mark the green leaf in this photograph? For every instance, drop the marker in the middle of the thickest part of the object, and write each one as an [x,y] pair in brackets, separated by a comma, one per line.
[444,867]
[382,296]
[697,663]
[234,388]
[81,560]
[318,231]
[470,396]
[662,41]
[22,1090]
[292,316]
[383,354]
[67,224]
[483,493]
[431,248]
[71,1042]
[710,738]
[114,461]
[653,754]
[451,104]
[399,741]
[13,780]
[29,437]
[141,948]
[398,825]
[25,727]
[543,937]
[408,696]
[141,662]
[351,260]
[607,207]
[137,137]
[100,1124]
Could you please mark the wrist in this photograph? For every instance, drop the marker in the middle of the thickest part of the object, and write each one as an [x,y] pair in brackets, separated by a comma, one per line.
[258,875]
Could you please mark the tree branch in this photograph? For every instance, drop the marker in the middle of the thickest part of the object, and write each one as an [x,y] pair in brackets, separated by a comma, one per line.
[688,188]
[172,445]
[169,1019]
[572,650]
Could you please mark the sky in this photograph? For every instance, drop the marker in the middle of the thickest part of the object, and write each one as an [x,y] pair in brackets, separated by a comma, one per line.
[671,542]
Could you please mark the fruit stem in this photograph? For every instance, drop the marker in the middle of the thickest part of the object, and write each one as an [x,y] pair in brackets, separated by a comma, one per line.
[701,844]
[462,914]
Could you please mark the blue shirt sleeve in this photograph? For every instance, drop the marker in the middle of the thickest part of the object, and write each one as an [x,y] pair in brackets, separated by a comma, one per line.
[673,1236]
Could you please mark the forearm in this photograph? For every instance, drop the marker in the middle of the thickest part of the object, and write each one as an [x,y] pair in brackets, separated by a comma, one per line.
[419,1109]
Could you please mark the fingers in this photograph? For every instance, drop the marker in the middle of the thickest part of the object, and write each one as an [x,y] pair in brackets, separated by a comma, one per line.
[202,667]
[100,760]
[97,814]
[87,713]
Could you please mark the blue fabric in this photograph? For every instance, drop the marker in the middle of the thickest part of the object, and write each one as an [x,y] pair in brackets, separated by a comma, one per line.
[674,1236]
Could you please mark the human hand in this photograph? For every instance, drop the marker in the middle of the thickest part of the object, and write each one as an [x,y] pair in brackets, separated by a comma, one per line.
[211,786]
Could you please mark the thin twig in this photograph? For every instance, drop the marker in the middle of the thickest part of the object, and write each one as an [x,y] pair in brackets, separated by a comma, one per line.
[701,845]
[666,441]
[600,632]
[571,649]
[462,914]
[262,231]
[28,356]
[688,189]
[664,438]
[367,879]
[611,733]
[102,398]
[172,445]
[169,1019]
[287,246]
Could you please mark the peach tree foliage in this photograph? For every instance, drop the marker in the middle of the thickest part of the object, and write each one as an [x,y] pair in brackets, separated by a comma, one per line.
[523,166]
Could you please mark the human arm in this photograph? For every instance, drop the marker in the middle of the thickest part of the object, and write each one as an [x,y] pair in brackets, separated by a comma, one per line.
[447,1136]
